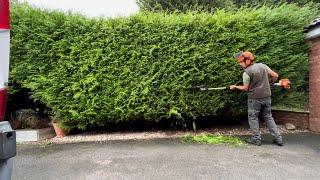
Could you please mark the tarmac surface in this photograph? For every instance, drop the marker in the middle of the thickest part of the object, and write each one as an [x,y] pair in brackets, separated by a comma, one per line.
[299,158]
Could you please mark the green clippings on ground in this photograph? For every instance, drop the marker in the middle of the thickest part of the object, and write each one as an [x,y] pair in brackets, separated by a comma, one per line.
[46,143]
[214,139]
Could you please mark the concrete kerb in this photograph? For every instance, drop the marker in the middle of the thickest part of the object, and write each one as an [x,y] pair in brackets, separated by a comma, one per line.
[149,135]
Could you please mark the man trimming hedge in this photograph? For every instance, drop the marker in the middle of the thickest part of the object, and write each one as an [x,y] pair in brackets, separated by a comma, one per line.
[256,83]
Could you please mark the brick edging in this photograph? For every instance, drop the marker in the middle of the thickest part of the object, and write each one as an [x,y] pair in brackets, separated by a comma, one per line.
[299,119]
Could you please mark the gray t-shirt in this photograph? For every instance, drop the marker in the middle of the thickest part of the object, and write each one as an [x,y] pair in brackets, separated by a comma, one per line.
[259,86]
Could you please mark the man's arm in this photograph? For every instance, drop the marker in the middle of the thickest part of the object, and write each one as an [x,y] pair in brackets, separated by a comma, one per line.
[244,87]
[274,76]
[246,83]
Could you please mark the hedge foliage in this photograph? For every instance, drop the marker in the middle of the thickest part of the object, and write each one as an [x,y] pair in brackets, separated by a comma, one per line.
[213,5]
[94,71]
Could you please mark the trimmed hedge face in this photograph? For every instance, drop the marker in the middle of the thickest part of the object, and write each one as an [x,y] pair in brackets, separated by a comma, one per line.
[95,71]
[212,5]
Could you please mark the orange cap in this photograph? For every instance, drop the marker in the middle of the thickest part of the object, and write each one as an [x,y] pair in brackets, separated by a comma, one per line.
[241,56]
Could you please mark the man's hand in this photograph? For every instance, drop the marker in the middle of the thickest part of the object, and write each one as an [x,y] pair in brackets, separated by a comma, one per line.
[233,87]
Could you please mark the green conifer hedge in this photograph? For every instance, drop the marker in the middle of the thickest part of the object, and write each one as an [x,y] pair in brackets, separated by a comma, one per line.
[92,71]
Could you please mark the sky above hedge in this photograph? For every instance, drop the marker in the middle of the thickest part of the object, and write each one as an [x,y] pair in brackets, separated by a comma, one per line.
[92,8]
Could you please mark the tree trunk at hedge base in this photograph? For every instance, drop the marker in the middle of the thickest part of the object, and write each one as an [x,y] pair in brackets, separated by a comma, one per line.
[59,131]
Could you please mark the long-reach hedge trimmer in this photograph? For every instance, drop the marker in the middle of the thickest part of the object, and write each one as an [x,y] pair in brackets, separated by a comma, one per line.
[283,83]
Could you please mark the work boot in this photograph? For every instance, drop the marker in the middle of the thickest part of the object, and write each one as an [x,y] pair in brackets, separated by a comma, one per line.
[253,141]
[278,142]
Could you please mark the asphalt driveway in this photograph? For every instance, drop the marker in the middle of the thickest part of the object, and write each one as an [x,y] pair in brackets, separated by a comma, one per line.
[170,159]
